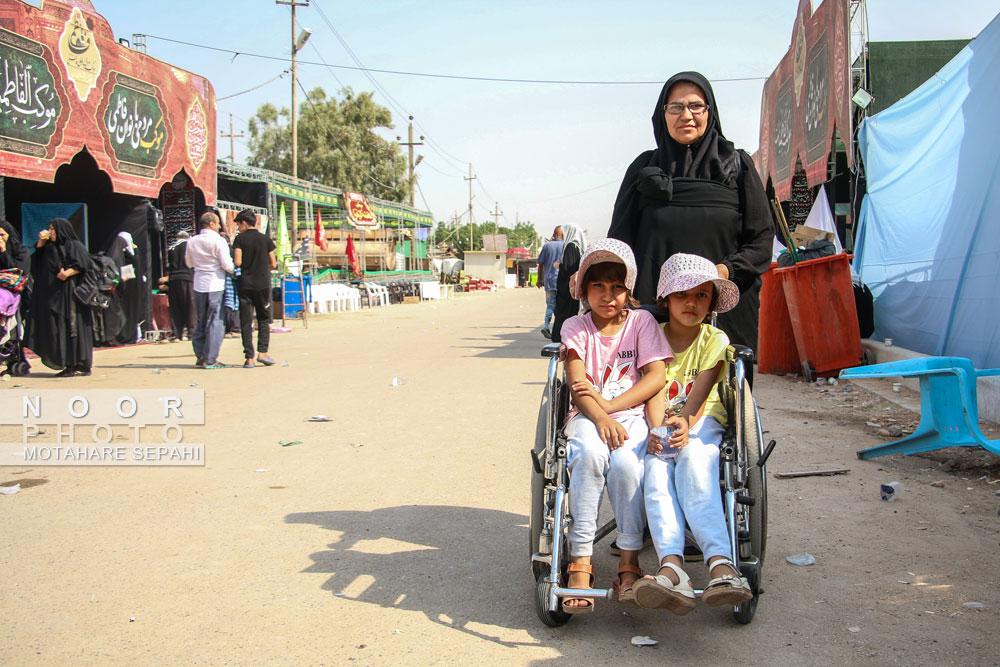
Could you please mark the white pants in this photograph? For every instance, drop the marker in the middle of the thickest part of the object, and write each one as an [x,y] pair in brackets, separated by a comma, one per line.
[687,487]
[591,464]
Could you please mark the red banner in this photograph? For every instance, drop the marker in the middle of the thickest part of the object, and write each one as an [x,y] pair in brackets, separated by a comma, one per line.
[66,84]
[806,97]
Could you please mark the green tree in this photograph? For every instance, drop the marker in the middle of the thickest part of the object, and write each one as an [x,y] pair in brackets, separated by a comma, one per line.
[337,144]
[523,235]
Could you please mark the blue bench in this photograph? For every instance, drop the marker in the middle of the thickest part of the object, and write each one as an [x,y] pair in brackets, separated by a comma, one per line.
[949,409]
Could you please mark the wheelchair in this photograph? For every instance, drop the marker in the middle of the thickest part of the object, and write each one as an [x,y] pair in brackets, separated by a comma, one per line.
[742,480]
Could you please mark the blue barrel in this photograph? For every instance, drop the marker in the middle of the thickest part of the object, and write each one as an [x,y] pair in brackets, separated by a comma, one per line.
[292,300]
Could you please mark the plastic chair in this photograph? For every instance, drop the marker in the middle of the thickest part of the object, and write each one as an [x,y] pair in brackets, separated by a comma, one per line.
[949,408]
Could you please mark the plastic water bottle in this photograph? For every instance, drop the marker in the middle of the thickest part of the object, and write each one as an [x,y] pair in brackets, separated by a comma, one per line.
[891,491]
[664,433]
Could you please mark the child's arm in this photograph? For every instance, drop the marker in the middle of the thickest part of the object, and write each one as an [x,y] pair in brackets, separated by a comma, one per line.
[612,433]
[695,405]
[652,381]
[655,416]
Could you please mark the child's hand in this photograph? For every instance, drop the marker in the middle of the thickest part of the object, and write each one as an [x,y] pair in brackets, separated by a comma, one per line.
[612,433]
[584,388]
[679,438]
[653,444]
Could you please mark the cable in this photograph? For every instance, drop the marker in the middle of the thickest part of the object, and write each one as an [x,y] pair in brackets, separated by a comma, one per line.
[249,90]
[574,194]
[493,79]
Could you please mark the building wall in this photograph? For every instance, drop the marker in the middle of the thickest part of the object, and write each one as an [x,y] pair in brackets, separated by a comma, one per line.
[488,265]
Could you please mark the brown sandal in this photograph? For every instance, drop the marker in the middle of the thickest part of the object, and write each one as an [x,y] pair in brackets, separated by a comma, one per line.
[576,609]
[621,593]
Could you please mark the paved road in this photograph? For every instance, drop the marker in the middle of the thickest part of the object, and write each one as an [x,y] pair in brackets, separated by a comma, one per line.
[395,534]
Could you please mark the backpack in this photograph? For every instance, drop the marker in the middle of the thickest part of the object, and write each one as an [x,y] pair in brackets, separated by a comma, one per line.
[97,284]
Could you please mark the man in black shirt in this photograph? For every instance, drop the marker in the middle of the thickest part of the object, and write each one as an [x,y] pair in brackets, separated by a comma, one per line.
[253,252]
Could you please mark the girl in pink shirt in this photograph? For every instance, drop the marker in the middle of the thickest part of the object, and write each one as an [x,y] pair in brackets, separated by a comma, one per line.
[614,364]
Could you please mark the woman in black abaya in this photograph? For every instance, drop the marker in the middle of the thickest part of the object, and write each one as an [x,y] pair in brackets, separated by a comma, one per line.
[695,193]
[59,330]
[13,255]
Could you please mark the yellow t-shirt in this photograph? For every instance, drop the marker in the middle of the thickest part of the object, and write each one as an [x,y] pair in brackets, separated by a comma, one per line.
[708,349]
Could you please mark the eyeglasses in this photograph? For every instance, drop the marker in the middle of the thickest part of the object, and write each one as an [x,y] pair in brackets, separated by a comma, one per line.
[677,108]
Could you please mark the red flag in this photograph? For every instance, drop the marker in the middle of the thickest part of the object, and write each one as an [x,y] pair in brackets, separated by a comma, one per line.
[352,257]
[320,235]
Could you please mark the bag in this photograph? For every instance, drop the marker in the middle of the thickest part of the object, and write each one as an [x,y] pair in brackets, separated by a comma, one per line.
[97,284]
[13,280]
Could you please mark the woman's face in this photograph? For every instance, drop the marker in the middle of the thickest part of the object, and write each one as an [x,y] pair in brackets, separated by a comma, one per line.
[685,127]
[52,233]
[4,236]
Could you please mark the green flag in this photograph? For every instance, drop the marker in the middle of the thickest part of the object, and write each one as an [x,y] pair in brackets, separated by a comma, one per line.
[282,245]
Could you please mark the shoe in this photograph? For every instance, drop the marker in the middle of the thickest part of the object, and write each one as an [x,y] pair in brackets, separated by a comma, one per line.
[248,363]
[547,334]
[267,361]
[658,592]
[83,371]
[625,595]
[727,590]
[67,373]
[588,569]
[212,367]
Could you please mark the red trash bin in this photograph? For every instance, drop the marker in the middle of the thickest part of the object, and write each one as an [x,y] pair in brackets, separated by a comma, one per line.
[820,298]
[776,351]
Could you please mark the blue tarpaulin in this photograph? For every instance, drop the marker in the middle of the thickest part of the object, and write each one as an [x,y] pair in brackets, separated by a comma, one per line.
[928,244]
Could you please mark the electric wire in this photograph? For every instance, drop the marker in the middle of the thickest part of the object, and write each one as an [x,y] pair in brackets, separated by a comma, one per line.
[250,90]
[459,77]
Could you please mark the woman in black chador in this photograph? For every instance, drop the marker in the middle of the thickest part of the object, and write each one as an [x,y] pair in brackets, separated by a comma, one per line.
[695,193]
[59,330]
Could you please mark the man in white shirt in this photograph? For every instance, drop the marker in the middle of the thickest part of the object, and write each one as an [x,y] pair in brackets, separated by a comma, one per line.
[208,254]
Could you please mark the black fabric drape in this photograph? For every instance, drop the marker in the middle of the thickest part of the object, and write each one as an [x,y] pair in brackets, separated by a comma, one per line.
[59,330]
[566,305]
[242,192]
[706,199]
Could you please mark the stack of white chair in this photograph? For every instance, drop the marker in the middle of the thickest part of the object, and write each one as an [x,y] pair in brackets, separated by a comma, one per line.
[334,297]
[379,294]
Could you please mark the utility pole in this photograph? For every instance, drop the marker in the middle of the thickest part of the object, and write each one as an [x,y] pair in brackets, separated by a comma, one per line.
[470,179]
[496,215]
[411,143]
[297,45]
[231,137]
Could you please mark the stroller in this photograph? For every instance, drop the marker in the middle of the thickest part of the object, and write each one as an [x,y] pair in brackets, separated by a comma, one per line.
[12,288]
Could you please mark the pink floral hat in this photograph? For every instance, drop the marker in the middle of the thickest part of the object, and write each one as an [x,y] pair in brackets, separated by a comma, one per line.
[605,250]
[681,272]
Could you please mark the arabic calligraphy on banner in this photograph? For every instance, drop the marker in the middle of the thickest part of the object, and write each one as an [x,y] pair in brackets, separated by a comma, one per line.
[133,124]
[359,212]
[79,53]
[196,134]
[30,105]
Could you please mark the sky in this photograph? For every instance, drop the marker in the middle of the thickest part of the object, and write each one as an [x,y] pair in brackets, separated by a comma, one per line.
[548,153]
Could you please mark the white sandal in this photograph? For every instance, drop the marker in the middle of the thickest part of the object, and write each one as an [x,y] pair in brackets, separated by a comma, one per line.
[658,592]
[727,590]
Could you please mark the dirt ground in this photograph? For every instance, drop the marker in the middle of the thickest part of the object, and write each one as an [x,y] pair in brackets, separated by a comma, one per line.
[396,533]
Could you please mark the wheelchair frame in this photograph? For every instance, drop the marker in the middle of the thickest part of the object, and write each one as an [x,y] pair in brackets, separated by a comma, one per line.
[742,478]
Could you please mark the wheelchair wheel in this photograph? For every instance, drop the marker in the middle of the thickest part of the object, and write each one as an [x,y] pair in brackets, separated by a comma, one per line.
[744,613]
[756,482]
[536,515]
[553,619]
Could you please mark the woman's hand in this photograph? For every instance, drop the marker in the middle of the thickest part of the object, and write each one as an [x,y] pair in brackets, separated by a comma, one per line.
[64,274]
[584,388]
[612,433]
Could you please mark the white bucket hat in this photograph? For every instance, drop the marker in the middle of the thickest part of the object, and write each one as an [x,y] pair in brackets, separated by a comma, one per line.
[605,250]
[681,272]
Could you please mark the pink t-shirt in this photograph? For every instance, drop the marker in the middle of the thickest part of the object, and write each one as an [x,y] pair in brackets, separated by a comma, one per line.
[613,362]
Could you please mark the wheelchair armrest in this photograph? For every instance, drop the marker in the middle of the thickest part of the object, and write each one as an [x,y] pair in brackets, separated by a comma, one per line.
[557,350]
[743,353]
